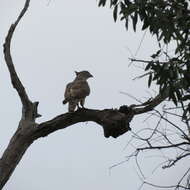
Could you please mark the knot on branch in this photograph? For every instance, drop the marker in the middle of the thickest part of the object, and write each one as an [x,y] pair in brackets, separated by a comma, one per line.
[30,111]
[116,122]
[125,109]
[35,110]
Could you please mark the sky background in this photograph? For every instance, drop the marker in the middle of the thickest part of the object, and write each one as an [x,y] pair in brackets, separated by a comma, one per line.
[52,41]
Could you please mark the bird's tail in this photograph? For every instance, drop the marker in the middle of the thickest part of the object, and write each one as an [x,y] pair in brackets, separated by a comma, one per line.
[65,101]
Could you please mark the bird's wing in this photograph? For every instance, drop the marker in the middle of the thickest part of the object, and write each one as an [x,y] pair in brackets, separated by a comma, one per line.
[79,89]
[68,91]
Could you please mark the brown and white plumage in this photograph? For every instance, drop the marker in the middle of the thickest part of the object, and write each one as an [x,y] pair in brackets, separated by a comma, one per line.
[77,90]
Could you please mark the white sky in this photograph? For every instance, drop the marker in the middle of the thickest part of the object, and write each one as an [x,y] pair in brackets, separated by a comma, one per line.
[50,43]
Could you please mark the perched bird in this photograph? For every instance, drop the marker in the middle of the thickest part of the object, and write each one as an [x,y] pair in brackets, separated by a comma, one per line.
[77,90]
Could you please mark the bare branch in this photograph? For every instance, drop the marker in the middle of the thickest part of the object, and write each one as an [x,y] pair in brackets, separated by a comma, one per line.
[151,104]
[114,122]
[173,162]
[145,61]
[163,147]
[17,84]
[162,186]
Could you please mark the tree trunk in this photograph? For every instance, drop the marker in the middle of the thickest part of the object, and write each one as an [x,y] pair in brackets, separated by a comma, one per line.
[18,144]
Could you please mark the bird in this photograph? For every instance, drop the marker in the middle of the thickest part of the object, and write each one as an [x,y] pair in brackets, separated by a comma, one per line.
[76,91]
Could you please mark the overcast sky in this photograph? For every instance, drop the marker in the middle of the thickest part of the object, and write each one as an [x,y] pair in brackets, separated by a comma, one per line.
[51,42]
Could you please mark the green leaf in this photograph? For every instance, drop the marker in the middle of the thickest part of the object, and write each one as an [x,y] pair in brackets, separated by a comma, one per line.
[179,95]
[113,3]
[115,13]
[127,2]
[174,99]
[135,19]
[142,14]
[150,80]
[148,66]
[172,95]
[102,3]
[146,24]
[126,23]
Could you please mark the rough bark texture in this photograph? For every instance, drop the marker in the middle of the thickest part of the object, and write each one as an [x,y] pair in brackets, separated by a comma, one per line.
[115,122]
[13,154]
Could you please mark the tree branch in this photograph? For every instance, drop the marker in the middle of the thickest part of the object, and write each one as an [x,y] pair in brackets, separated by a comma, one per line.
[151,104]
[17,84]
[114,122]
[163,147]
[145,61]
[173,162]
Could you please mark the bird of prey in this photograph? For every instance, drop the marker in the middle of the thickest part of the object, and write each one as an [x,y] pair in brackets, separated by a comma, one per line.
[77,90]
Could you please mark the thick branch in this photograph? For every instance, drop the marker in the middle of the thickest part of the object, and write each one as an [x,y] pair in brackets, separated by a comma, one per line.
[152,103]
[114,122]
[17,84]
[12,155]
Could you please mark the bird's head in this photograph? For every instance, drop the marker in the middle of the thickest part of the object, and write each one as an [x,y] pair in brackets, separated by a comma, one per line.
[83,75]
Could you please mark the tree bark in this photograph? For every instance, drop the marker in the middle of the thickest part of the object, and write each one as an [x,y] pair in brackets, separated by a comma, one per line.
[13,154]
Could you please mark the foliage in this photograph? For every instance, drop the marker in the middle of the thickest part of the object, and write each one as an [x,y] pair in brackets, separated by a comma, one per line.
[169,21]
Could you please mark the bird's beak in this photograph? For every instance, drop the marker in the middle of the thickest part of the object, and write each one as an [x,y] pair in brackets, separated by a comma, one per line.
[91,75]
